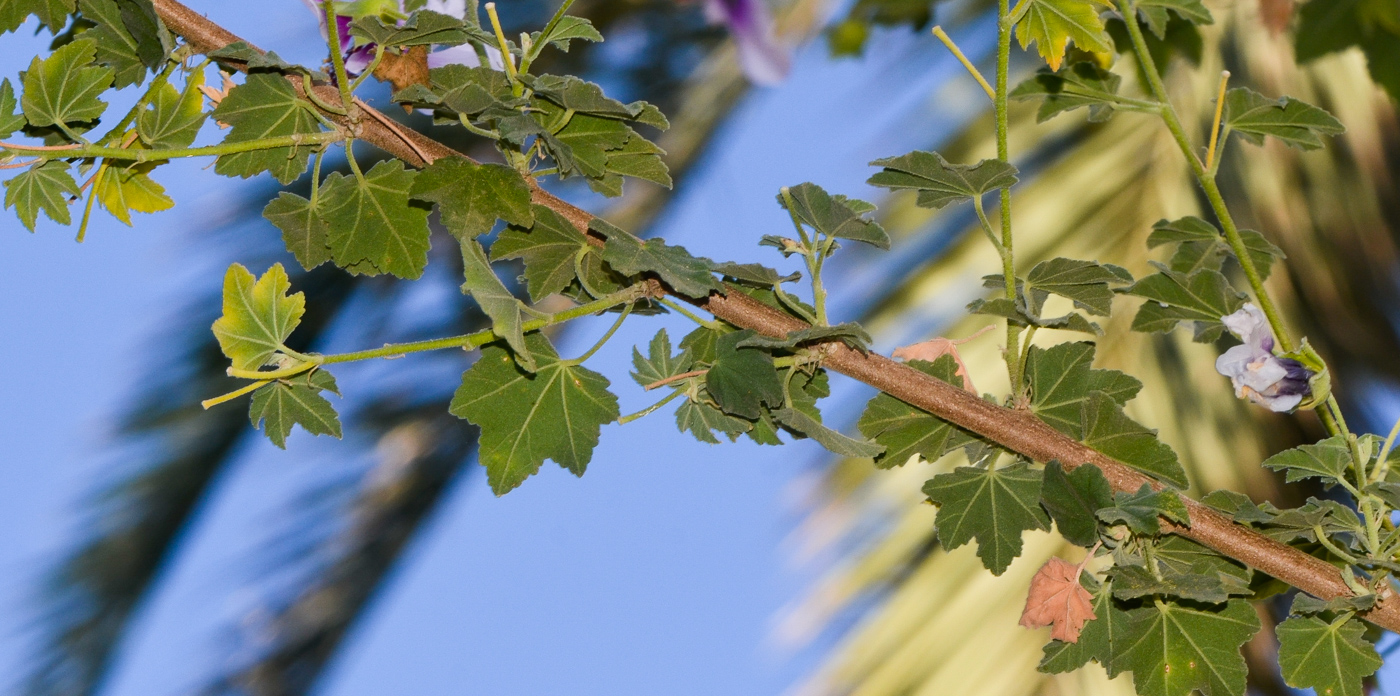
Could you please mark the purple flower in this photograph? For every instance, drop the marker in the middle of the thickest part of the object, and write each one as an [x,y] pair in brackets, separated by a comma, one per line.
[1278,384]
[763,59]
[358,58]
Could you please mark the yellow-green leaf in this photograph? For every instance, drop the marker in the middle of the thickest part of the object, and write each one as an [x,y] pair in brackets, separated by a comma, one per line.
[1052,24]
[258,315]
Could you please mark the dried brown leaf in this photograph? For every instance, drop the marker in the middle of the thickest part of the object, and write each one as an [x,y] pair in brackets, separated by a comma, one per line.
[1057,599]
[936,348]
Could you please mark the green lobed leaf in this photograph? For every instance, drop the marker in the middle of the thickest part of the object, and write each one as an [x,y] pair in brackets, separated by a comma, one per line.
[754,274]
[258,315]
[303,231]
[239,55]
[639,158]
[581,147]
[64,87]
[699,418]
[904,430]
[743,380]
[1330,658]
[1179,555]
[1073,500]
[659,364]
[52,13]
[1201,245]
[471,196]
[130,38]
[832,440]
[1328,460]
[124,189]
[468,90]
[1053,24]
[1154,12]
[1061,380]
[703,343]
[1305,604]
[1096,641]
[938,182]
[506,312]
[1071,87]
[10,122]
[46,187]
[1109,430]
[1084,282]
[1297,123]
[851,334]
[675,266]
[295,401]
[1237,505]
[835,216]
[422,28]
[1140,510]
[548,249]
[265,106]
[1173,650]
[580,96]
[1202,297]
[565,30]
[1186,229]
[556,413]
[373,226]
[992,506]
[1197,584]
[173,119]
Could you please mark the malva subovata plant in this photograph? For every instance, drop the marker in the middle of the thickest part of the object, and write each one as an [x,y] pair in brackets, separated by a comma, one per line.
[1166,596]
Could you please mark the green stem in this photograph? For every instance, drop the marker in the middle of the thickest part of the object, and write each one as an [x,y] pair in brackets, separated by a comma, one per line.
[310,90]
[680,309]
[136,155]
[157,82]
[538,48]
[477,130]
[354,166]
[1332,548]
[791,303]
[369,70]
[316,177]
[987,227]
[626,310]
[342,79]
[1008,262]
[650,409]
[210,403]
[92,198]
[812,255]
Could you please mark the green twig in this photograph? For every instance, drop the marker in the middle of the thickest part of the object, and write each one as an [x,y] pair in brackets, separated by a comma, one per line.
[369,70]
[681,310]
[650,409]
[157,155]
[342,79]
[1008,263]
[534,51]
[160,80]
[626,310]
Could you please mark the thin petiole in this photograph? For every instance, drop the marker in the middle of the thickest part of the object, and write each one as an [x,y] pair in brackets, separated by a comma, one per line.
[650,409]
[467,124]
[310,90]
[369,70]
[534,51]
[342,78]
[210,403]
[1215,124]
[626,310]
[504,45]
[681,310]
[674,378]
[987,226]
[957,53]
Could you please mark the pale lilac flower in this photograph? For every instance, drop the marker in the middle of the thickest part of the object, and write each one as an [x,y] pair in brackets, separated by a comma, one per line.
[1278,384]
[358,58]
[763,59]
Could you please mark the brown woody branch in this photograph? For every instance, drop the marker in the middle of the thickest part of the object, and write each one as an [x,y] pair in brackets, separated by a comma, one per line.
[1015,430]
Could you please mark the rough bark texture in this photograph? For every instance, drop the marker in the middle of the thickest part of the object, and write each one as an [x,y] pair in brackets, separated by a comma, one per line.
[1018,431]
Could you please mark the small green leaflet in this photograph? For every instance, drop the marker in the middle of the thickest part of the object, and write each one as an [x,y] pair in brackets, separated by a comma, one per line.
[9,120]
[938,182]
[124,189]
[1155,13]
[904,430]
[422,28]
[1173,650]
[548,249]
[64,88]
[675,266]
[1052,24]
[371,220]
[467,90]
[659,364]
[238,55]
[851,334]
[639,158]
[697,417]
[1330,658]
[472,196]
[1198,239]
[1328,460]
[991,505]
[555,413]
[1184,569]
[1072,87]
[258,315]
[743,380]
[495,301]
[1202,297]
[832,440]
[1181,556]
[173,119]
[1073,500]
[303,231]
[1140,510]
[1084,282]
[45,187]
[754,274]
[296,401]
[1305,604]
[1109,430]
[1061,379]
[834,216]
[52,13]
[1237,505]
[580,96]
[1096,641]
[265,106]
[568,28]
[703,343]
[1187,229]
[1297,123]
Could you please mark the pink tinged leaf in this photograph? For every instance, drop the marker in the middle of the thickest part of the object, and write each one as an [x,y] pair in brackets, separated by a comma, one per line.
[934,349]
[1057,599]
